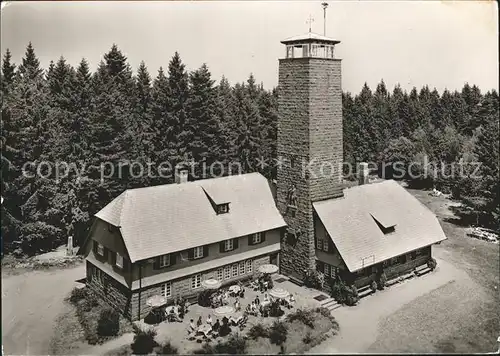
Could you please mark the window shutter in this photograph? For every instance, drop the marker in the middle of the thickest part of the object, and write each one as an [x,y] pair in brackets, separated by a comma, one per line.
[113,258]
[221,246]
[331,249]
[205,251]
[250,240]
[263,236]
[173,259]
[106,253]
[95,246]
[190,253]
[235,243]
[156,263]
[125,264]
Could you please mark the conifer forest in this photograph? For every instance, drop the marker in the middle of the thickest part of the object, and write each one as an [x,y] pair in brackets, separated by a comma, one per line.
[59,124]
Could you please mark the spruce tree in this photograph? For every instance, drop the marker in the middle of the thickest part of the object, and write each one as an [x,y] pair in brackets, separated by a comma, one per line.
[203,123]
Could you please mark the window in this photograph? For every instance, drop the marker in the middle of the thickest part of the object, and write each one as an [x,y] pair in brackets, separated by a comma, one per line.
[385,263]
[110,228]
[242,268]
[198,252]
[166,289]
[249,266]
[222,208]
[227,272]
[164,261]
[413,255]
[119,260]
[97,275]
[220,274]
[257,238]
[235,270]
[196,281]
[319,244]
[333,271]
[325,246]
[228,245]
[402,259]
[394,260]
[418,252]
[100,249]
[327,269]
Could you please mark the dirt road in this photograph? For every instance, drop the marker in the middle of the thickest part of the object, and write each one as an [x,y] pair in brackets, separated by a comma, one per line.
[31,302]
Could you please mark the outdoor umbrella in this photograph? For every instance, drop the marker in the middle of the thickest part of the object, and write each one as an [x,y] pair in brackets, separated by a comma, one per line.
[211,284]
[156,301]
[268,268]
[279,293]
[225,310]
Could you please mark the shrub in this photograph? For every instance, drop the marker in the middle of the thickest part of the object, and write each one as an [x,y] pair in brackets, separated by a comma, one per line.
[278,333]
[373,286]
[257,331]
[382,281]
[235,345]
[344,294]
[352,296]
[323,311]
[109,323]
[307,339]
[304,316]
[78,294]
[432,263]
[314,279]
[167,349]
[90,301]
[144,342]
[337,291]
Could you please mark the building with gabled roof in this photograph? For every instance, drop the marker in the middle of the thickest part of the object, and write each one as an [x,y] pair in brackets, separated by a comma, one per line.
[165,240]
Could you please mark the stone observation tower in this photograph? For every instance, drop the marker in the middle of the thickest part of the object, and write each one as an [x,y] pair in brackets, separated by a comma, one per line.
[309,142]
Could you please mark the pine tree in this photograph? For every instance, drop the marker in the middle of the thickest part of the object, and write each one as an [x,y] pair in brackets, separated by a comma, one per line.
[226,116]
[161,128]
[143,134]
[8,71]
[178,91]
[203,124]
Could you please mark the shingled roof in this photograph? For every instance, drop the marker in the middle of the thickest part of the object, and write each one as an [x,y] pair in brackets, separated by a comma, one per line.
[351,222]
[174,217]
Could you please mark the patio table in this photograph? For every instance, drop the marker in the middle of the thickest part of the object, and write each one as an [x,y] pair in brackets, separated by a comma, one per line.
[205,329]
[265,303]
[170,308]
[234,289]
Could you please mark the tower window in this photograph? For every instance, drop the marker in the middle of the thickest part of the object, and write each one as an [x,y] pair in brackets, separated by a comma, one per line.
[223,208]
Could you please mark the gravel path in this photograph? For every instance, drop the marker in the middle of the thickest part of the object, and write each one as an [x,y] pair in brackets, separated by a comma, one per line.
[383,315]
[31,303]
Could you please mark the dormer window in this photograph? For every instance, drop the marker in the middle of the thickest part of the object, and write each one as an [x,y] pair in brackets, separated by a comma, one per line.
[386,227]
[100,249]
[223,208]
[229,245]
[164,261]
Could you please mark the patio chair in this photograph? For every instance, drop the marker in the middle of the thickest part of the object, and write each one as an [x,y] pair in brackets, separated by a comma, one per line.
[191,335]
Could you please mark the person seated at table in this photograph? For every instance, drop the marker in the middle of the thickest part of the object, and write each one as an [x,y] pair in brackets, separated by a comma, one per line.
[186,306]
[237,305]
[199,322]
[225,320]
[216,325]
[291,299]
[242,292]
[209,320]
[257,301]
[192,327]
[248,308]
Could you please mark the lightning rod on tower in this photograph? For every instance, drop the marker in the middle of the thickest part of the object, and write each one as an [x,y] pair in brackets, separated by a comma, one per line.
[325,5]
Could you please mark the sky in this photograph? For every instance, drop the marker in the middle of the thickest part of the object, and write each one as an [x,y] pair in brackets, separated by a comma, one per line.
[442,44]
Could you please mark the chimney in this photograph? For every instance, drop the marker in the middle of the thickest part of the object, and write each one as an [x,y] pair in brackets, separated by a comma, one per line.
[181,175]
[363,173]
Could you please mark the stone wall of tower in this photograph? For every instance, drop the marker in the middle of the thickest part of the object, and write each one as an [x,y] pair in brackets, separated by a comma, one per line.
[309,146]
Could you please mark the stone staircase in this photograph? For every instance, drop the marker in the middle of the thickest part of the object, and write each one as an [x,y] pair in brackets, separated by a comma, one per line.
[364,291]
[421,270]
[330,304]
